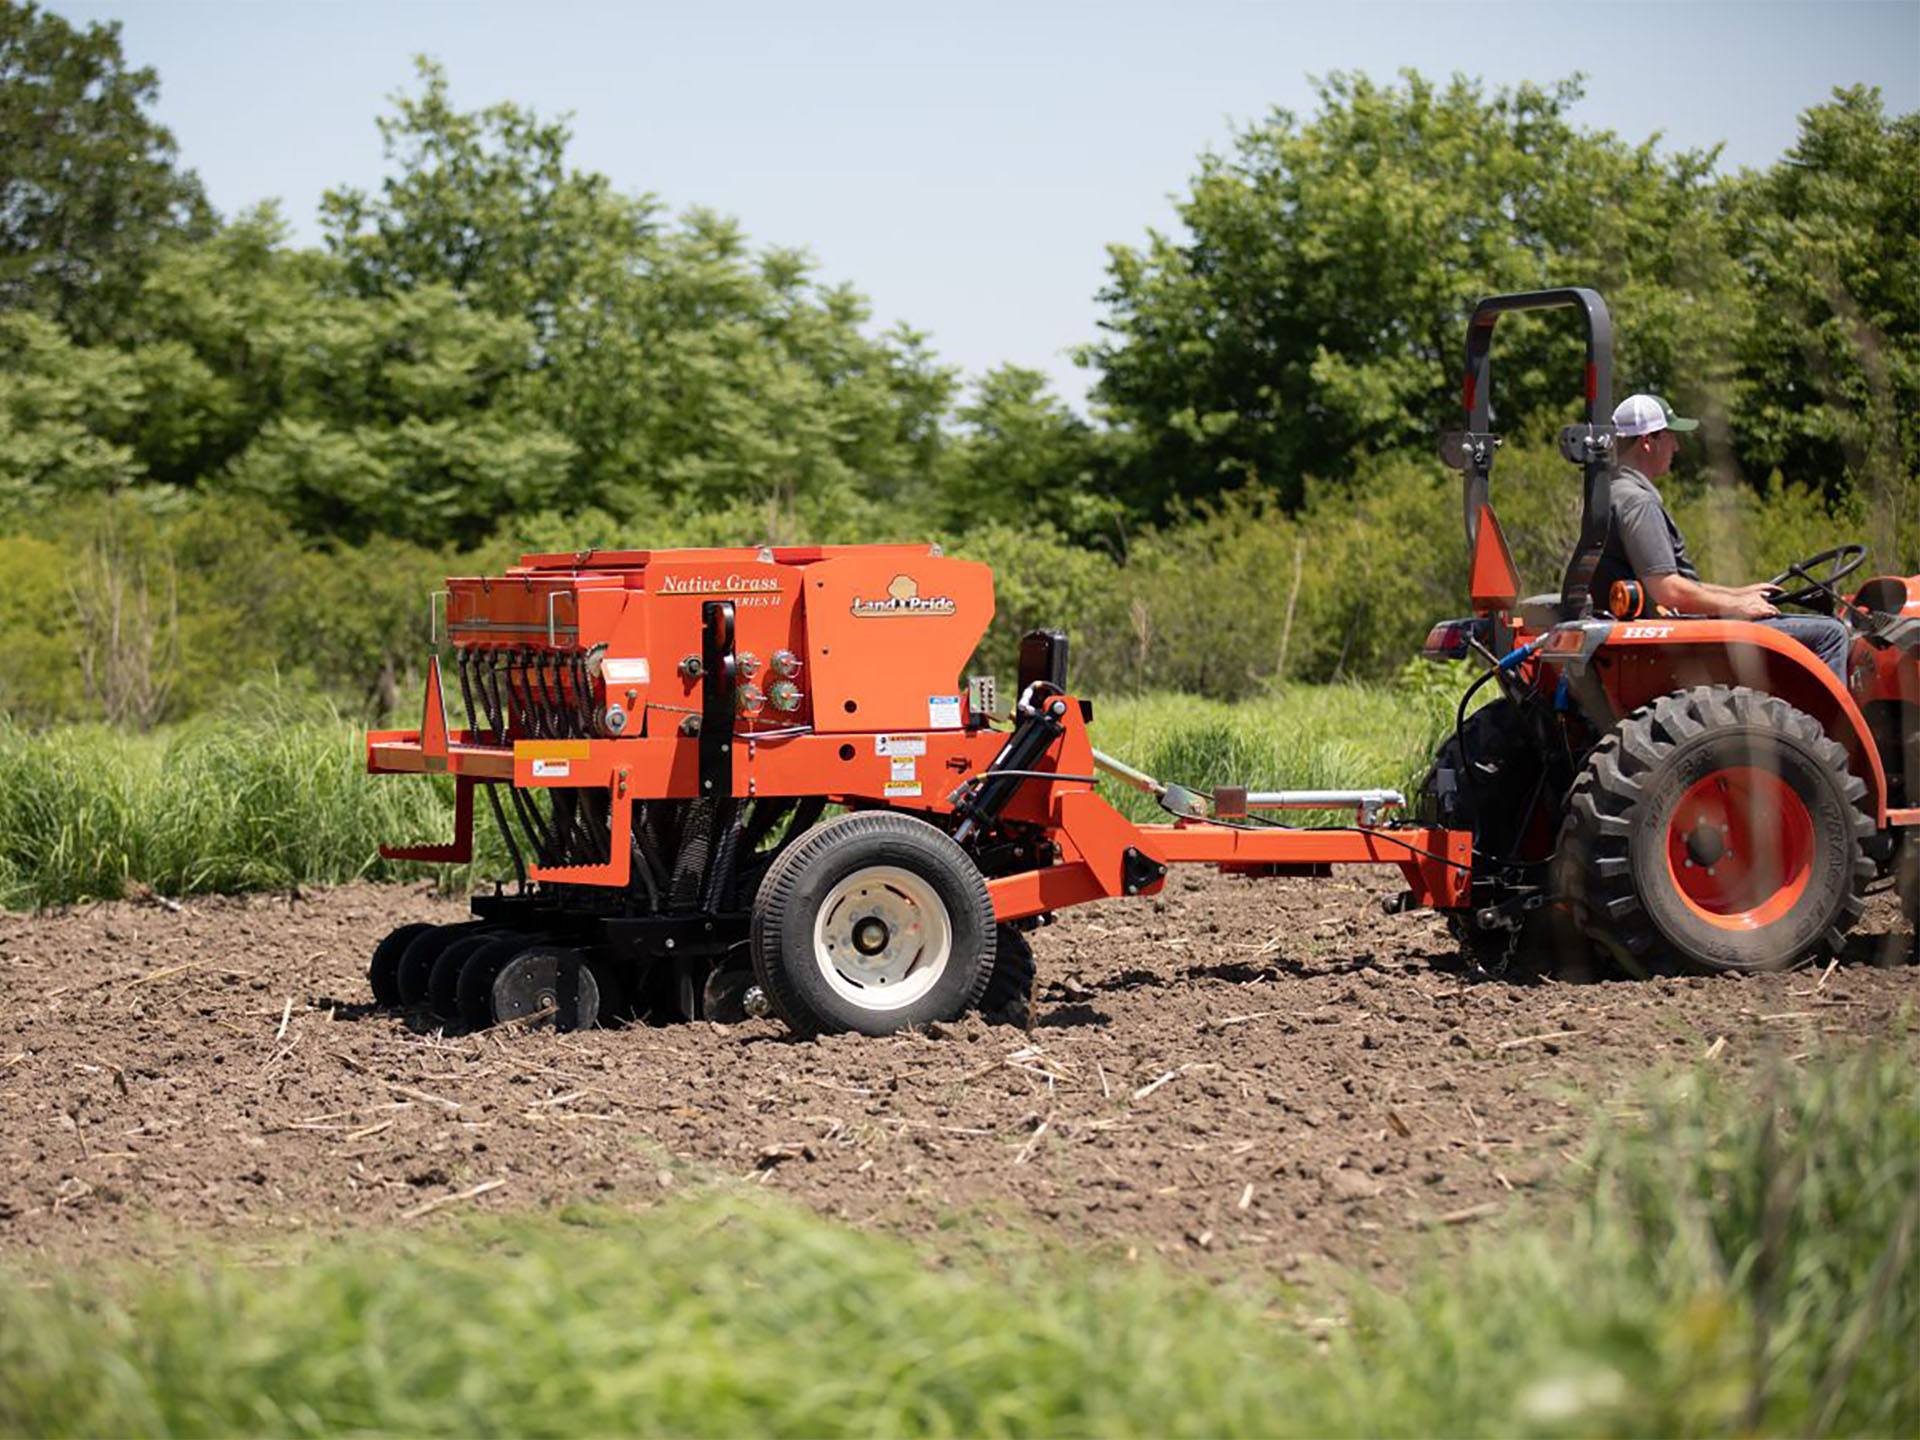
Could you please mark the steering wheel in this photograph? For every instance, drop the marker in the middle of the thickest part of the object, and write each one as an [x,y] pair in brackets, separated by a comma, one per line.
[1816,586]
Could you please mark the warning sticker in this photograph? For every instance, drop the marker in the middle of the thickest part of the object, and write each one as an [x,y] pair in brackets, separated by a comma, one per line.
[903,790]
[943,712]
[903,768]
[552,769]
[900,744]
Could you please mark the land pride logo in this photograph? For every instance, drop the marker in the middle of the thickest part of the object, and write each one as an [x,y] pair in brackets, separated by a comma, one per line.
[903,597]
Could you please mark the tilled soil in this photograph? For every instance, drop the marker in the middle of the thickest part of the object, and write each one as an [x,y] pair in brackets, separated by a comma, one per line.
[1272,1069]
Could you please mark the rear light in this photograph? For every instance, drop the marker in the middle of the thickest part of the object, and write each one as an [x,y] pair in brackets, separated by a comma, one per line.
[1451,639]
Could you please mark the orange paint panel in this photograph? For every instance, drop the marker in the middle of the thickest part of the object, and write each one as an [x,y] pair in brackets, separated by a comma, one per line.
[888,636]
[1034,892]
[618,866]
[1493,582]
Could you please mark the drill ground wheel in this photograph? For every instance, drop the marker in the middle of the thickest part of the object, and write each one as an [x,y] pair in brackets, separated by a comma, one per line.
[383,971]
[1009,992]
[871,923]
[415,970]
[1722,827]
[549,986]
[443,981]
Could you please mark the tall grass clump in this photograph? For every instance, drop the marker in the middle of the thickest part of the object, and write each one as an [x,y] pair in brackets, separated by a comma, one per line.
[1729,1264]
[1743,1258]
[268,792]
[1296,737]
[271,789]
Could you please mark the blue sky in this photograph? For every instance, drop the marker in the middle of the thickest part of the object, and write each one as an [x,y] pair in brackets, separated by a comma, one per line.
[965,166]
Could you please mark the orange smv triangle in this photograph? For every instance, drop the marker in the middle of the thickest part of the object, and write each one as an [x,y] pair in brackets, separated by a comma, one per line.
[433,721]
[1493,583]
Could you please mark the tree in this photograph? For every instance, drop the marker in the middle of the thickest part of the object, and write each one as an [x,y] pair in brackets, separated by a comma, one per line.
[1024,458]
[1314,312]
[1830,375]
[89,192]
[685,369]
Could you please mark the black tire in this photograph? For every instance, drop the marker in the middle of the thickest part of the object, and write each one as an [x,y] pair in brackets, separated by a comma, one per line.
[1505,787]
[877,879]
[1009,993]
[383,971]
[1625,820]
[473,991]
[554,979]
[416,961]
[443,981]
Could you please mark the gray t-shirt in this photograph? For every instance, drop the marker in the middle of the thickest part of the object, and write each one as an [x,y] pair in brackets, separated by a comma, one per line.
[1643,540]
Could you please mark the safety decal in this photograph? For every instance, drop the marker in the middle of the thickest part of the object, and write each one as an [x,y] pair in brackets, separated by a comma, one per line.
[903,768]
[899,744]
[943,712]
[903,790]
[552,769]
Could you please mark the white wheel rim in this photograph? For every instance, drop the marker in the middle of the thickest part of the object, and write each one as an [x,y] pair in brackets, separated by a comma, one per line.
[882,938]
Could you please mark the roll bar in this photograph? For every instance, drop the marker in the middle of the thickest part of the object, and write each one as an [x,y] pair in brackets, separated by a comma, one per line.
[1589,446]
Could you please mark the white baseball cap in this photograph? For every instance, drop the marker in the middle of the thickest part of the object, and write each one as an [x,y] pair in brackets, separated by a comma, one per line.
[1644,414]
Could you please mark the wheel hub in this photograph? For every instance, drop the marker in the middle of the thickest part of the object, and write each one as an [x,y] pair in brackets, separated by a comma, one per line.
[882,937]
[1740,847]
[1706,844]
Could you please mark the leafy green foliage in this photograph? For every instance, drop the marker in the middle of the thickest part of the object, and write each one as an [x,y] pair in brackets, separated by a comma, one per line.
[89,192]
[1830,378]
[1735,1268]
[1314,311]
[496,350]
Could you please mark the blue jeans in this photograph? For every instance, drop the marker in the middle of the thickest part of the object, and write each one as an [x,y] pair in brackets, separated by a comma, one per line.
[1822,634]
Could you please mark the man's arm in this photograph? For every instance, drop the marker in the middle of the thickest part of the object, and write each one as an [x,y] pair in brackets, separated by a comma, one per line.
[1642,524]
[1696,597]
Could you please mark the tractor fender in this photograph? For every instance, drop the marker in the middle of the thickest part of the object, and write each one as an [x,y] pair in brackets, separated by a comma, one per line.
[1643,660]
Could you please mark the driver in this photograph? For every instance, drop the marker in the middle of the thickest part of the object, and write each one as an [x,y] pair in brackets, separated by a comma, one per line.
[1646,545]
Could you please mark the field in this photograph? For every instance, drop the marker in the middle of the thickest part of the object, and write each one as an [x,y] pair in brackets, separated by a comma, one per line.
[1269,1161]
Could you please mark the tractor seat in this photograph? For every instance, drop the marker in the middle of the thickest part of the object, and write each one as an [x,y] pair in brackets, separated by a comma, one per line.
[1541,612]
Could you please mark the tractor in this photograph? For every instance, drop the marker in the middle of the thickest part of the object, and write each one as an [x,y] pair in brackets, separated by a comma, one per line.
[1653,787]
[757,781]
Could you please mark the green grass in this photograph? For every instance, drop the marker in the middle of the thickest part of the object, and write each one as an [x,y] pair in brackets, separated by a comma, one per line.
[1730,1263]
[1299,737]
[271,791]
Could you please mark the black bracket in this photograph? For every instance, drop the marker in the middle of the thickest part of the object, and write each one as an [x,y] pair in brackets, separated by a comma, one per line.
[1138,871]
[716,700]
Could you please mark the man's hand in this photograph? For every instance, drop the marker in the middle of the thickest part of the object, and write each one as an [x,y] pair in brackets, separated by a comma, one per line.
[1751,602]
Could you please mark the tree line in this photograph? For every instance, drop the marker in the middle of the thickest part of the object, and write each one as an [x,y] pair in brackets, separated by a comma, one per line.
[222,451]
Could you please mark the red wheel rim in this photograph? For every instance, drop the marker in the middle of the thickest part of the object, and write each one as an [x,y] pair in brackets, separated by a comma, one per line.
[1740,848]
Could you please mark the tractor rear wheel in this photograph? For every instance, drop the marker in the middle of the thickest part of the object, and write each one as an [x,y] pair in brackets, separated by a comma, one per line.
[872,922]
[1721,826]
